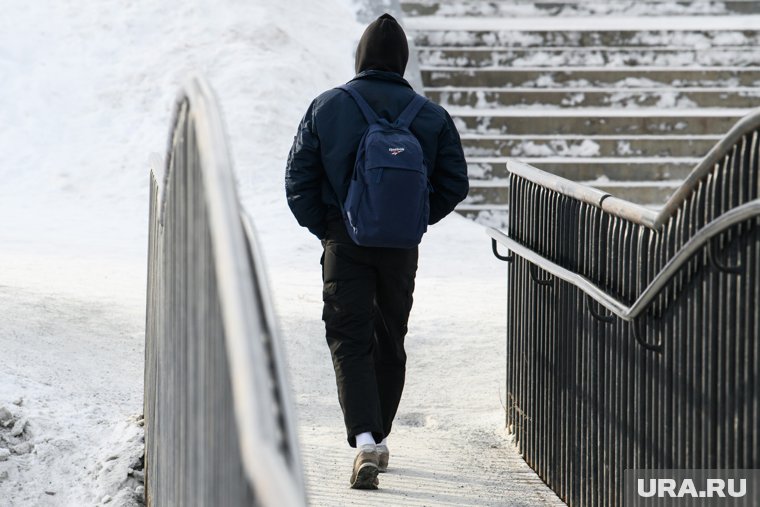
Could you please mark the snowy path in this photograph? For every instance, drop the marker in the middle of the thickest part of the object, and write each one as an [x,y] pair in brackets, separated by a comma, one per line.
[71,342]
[448,446]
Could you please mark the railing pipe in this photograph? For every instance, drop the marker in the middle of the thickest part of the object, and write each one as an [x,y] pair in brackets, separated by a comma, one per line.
[707,164]
[677,262]
[263,462]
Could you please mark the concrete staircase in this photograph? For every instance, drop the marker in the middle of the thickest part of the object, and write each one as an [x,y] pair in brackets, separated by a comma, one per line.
[624,95]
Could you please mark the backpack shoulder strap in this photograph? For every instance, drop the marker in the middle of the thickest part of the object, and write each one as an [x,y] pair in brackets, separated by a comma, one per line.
[369,114]
[411,111]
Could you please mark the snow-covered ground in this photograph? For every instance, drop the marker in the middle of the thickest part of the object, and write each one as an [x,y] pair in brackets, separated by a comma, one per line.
[87,95]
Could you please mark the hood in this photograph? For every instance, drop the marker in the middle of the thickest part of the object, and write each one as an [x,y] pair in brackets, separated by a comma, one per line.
[383,47]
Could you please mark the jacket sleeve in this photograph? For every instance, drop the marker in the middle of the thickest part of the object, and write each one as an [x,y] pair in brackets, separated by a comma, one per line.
[304,176]
[449,176]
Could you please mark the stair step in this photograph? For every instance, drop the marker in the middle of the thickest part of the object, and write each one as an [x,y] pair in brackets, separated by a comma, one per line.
[490,98]
[585,122]
[612,146]
[588,56]
[587,168]
[487,196]
[626,96]
[640,192]
[630,78]
[512,37]
[482,207]
[487,216]
[566,9]
[645,193]
[586,24]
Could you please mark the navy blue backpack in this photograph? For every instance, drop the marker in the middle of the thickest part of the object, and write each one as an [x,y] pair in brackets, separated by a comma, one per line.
[388,201]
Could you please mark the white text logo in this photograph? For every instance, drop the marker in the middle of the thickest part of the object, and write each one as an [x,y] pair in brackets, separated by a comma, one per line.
[671,488]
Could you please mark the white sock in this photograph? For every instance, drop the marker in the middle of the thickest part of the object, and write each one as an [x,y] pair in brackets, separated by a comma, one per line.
[384,442]
[365,438]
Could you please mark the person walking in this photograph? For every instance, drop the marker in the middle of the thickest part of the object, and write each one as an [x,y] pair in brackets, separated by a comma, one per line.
[372,165]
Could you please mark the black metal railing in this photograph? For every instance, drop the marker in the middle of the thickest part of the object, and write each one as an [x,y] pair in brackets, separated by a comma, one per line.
[218,425]
[633,336]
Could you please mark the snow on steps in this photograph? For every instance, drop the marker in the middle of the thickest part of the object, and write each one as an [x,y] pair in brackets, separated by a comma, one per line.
[620,56]
[476,145]
[569,8]
[595,121]
[495,97]
[644,192]
[604,77]
[627,95]
[635,26]
[517,37]
[589,168]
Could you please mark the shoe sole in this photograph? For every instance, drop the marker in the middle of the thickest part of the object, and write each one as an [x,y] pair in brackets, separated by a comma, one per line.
[366,477]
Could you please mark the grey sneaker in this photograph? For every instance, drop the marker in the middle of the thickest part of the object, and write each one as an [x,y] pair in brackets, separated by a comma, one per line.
[364,474]
[383,454]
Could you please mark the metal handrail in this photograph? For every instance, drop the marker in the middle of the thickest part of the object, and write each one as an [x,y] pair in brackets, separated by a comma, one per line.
[261,459]
[268,450]
[271,332]
[730,218]
[590,195]
[636,214]
[748,123]
[595,284]
[630,211]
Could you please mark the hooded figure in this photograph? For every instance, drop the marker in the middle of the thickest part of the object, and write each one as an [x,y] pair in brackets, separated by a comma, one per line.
[367,291]
[383,46]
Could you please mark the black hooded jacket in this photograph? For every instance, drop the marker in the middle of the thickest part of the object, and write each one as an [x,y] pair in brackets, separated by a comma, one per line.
[321,160]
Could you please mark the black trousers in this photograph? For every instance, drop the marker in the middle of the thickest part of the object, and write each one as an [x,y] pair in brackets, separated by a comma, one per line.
[367,298]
